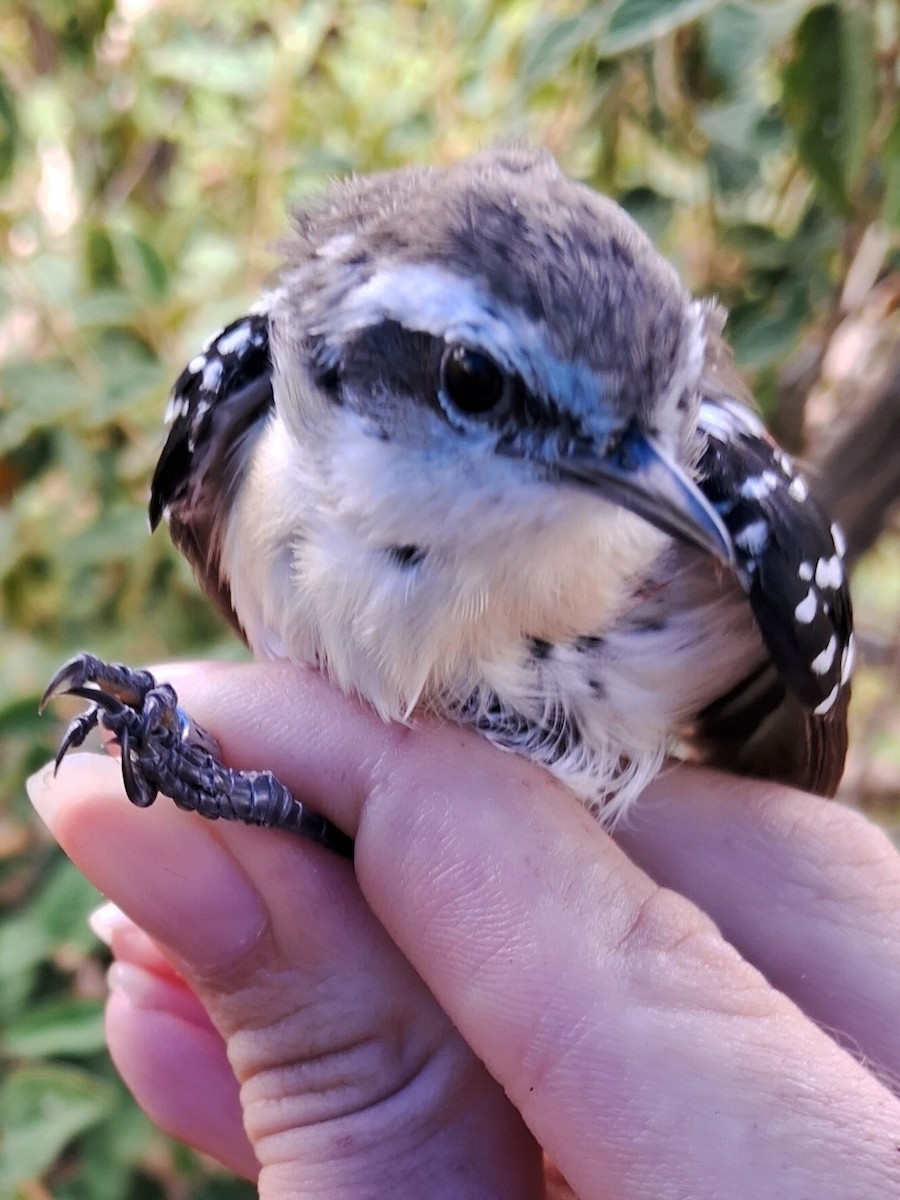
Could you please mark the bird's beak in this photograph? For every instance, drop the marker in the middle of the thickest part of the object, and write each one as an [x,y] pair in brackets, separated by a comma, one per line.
[640,477]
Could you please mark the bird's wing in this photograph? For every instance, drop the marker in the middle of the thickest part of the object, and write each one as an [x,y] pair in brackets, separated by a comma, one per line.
[217,408]
[788,719]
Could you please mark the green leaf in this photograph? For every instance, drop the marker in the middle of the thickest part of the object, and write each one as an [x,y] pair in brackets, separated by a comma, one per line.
[9,130]
[763,335]
[891,166]
[762,249]
[635,23]
[99,257]
[652,211]
[101,541]
[225,1189]
[242,72]
[811,94]
[37,395]
[739,38]
[109,1151]
[830,99]
[23,946]
[742,127]
[103,309]
[18,715]
[554,42]
[63,905]
[143,269]
[732,46]
[41,1109]
[66,1026]
[857,107]
[730,170]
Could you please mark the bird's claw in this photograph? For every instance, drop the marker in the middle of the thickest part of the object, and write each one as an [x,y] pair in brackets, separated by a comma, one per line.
[164,751]
[126,684]
[142,716]
[76,733]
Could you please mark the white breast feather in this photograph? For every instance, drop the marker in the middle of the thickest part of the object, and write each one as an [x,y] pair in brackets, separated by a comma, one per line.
[321,589]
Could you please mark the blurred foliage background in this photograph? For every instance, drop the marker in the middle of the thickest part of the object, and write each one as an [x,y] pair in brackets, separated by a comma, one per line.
[148,151]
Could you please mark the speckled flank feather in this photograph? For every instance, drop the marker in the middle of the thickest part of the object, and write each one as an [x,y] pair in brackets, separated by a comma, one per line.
[337,503]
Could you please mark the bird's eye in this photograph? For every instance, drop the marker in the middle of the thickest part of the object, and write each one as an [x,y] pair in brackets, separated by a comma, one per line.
[472,382]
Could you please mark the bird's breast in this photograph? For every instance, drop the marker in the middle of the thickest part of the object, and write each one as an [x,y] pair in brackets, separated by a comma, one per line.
[579,642]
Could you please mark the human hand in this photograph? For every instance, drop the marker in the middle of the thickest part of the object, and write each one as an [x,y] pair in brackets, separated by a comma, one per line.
[645,1055]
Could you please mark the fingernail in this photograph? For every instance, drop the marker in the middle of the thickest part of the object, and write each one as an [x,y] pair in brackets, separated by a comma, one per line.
[148,991]
[139,986]
[106,920]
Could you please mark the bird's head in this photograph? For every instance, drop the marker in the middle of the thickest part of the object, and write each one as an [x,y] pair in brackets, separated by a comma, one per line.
[488,350]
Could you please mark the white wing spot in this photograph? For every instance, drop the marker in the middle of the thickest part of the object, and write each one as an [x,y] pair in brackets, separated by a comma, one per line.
[199,413]
[823,662]
[233,341]
[798,488]
[829,572]
[828,703]
[806,609]
[212,374]
[837,536]
[848,659]
[753,537]
[197,363]
[805,571]
[757,487]
[176,408]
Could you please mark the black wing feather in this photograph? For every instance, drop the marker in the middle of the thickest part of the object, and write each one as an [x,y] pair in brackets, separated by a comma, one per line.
[788,718]
[217,408]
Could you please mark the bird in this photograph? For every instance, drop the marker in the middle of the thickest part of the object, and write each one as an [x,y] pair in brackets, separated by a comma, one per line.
[477,453]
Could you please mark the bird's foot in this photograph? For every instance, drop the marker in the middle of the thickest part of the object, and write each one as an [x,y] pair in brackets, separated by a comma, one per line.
[164,751]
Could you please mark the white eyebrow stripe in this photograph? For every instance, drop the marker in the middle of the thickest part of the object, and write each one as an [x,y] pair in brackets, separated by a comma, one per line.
[431,299]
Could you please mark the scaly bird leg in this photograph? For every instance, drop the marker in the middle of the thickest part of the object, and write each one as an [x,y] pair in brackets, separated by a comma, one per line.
[164,751]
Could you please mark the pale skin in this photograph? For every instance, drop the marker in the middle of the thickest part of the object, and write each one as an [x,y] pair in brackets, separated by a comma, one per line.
[499,985]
